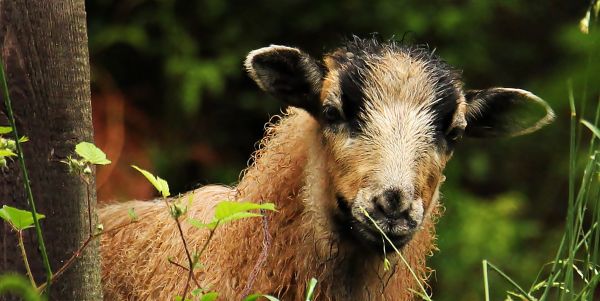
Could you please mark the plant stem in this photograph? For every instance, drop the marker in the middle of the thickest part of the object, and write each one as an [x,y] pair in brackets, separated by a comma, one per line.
[514,284]
[424,292]
[77,253]
[89,207]
[187,252]
[25,260]
[26,182]
[486,287]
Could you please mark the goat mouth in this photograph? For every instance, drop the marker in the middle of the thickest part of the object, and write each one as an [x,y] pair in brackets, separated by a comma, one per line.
[362,230]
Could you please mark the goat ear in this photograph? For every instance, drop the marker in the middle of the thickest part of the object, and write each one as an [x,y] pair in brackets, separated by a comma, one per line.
[287,73]
[505,112]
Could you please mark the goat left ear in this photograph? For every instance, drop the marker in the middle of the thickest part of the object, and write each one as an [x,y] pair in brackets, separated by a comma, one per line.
[505,112]
[288,74]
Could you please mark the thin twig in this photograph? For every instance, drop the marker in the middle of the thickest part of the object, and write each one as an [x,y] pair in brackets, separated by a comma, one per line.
[187,252]
[25,260]
[78,253]
[189,257]
[89,207]
[185,269]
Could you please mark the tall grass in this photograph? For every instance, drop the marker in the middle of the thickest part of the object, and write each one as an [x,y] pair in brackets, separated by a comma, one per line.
[575,271]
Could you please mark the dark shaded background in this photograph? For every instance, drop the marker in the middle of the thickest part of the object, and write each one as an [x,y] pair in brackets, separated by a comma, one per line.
[170,95]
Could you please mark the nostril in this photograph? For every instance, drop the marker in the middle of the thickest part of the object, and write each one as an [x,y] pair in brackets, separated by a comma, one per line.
[388,204]
[411,223]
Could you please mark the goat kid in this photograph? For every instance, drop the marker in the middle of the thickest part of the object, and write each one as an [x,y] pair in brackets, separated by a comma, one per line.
[371,127]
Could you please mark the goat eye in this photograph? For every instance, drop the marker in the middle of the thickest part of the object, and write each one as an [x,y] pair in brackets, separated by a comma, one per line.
[455,134]
[331,114]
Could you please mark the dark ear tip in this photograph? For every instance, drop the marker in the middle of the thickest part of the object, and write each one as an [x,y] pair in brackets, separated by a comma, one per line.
[255,57]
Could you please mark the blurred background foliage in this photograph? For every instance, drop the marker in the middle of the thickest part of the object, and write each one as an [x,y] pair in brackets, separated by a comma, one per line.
[170,94]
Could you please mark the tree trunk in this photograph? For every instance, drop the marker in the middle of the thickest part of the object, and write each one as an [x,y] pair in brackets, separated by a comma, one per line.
[44,45]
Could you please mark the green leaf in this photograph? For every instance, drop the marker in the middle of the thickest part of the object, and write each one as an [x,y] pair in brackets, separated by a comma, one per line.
[161,185]
[91,153]
[310,290]
[132,215]
[386,264]
[23,139]
[227,209]
[7,153]
[209,296]
[196,292]
[199,224]
[592,128]
[17,218]
[18,285]
[255,297]
[5,129]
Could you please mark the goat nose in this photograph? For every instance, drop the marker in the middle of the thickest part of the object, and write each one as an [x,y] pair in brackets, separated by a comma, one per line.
[390,204]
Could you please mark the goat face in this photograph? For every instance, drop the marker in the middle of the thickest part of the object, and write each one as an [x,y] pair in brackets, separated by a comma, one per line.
[390,116]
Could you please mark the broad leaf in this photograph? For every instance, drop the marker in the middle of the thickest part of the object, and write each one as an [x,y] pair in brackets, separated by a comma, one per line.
[17,218]
[227,209]
[209,296]
[91,153]
[5,129]
[255,297]
[7,153]
[196,292]
[132,215]
[199,224]
[161,185]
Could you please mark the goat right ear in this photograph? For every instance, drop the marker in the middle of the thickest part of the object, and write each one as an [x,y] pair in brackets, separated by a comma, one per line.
[288,74]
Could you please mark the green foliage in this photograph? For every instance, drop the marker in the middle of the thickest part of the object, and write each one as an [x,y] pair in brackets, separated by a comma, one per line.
[18,219]
[18,285]
[5,129]
[228,211]
[310,289]
[90,153]
[8,147]
[592,127]
[255,297]
[161,185]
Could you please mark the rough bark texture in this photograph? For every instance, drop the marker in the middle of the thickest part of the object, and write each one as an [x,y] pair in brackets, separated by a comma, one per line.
[44,44]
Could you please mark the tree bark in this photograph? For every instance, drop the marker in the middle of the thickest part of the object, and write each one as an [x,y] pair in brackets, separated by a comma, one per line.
[44,45]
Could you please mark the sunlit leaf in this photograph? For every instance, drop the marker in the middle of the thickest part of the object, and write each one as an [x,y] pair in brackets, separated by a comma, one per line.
[209,296]
[91,153]
[17,218]
[132,215]
[7,153]
[161,185]
[199,224]
[196,292]
[5,129]
[255,297]
[227,209]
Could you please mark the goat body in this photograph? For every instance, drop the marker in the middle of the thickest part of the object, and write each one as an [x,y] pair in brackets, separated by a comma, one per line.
[135,258]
